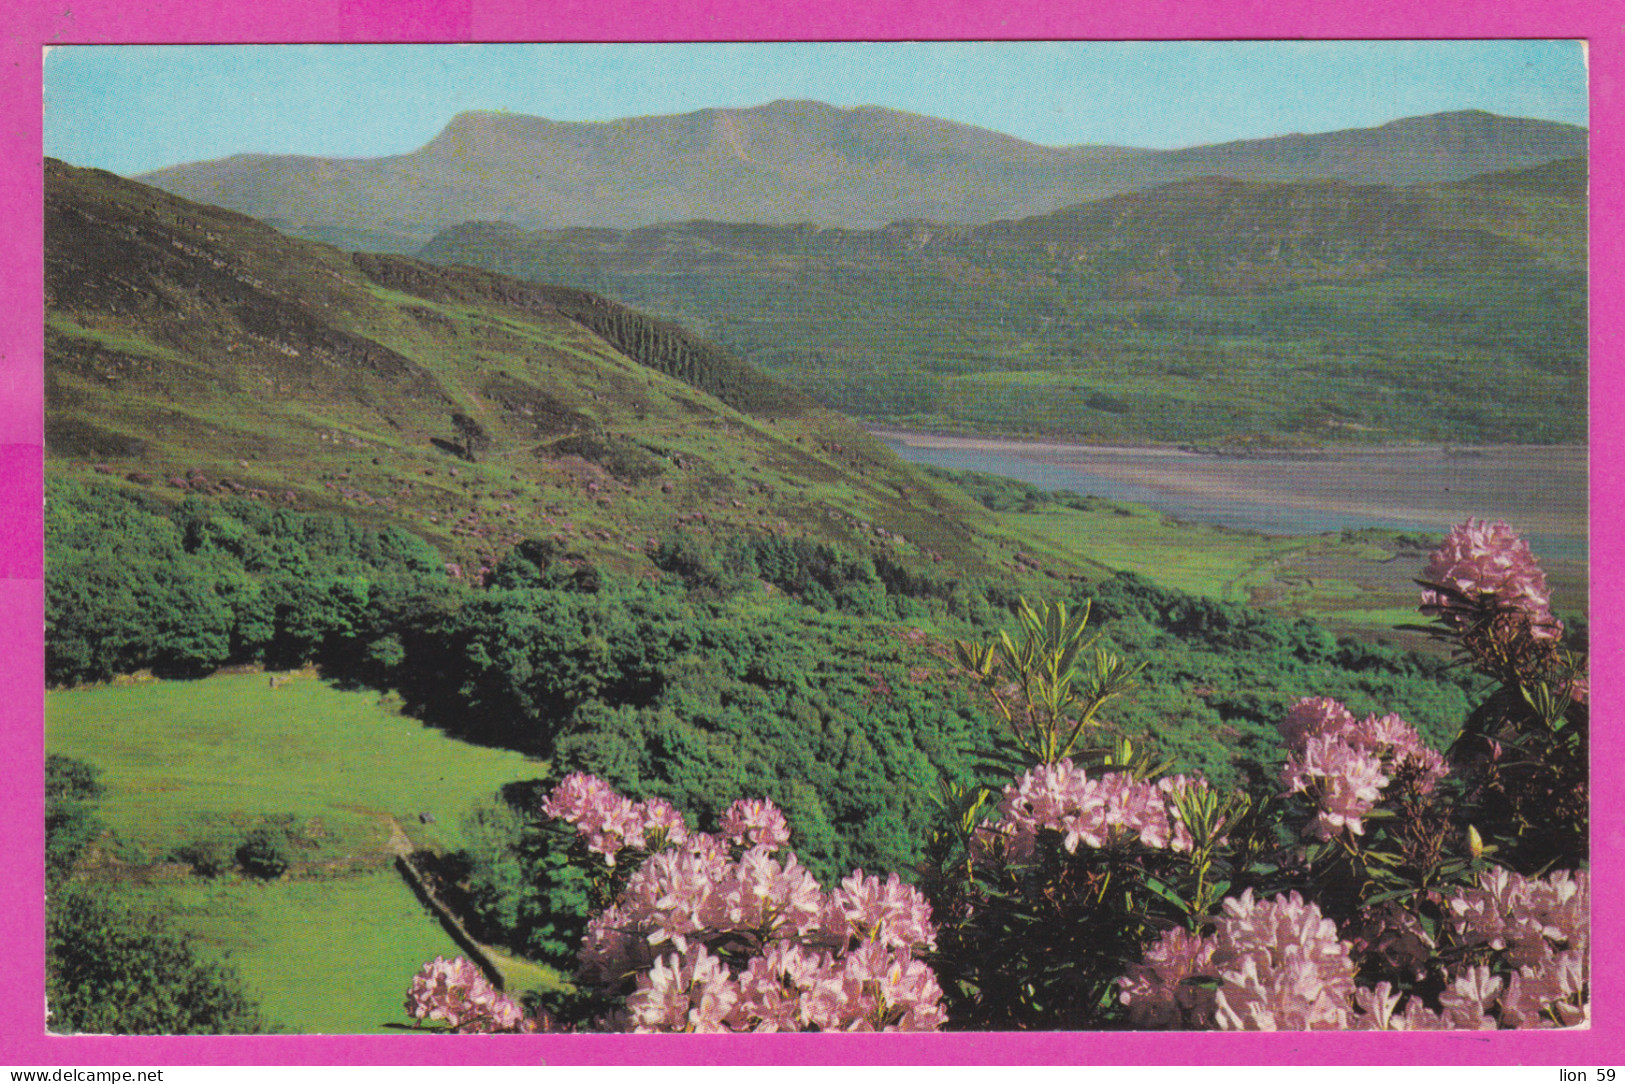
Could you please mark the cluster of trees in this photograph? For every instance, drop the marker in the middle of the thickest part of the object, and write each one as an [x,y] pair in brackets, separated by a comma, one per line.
[183,589]
[823,694]
[111,968]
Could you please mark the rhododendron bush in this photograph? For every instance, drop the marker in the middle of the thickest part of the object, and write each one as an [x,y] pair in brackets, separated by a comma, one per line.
[1373,883]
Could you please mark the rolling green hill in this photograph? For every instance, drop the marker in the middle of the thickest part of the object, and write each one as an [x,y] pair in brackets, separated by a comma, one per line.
[1203,310]
[798,161]
[192,350]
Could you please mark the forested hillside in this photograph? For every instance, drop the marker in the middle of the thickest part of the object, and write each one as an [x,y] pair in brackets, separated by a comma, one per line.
[1204,310]
[566,537]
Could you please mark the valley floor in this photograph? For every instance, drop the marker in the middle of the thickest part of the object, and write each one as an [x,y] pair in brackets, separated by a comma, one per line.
[1339,534]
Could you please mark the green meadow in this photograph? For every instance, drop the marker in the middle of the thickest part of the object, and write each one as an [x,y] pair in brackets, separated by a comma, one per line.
[332,944]
[181,759]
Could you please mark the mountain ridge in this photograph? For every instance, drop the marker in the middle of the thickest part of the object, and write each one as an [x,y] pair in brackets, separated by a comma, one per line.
[191,350]
[796,161]
[1203,309]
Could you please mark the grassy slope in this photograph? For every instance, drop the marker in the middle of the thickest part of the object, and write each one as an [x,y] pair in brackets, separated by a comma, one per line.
[304,748]
[1196,312]
[182,339]
[320,957]
[186,338]
[331,946]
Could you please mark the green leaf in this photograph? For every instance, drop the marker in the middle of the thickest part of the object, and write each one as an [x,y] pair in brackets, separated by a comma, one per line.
[1158,888]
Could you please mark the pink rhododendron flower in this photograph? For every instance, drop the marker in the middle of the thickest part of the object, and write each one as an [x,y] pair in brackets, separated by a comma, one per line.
[1282,965]
[662,823]
[766,897]
[1104,811]
[608,822]
[788,988]
[672,895]
[1278,965]
[1343,763]
[888,913]
[1344,782]
[1530,920]
[457,993]
[692,991]
[1488,564]
[1158,990]
[886,989]
[755,822]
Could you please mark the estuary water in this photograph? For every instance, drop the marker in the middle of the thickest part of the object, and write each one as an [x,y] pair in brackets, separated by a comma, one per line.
[1541,491]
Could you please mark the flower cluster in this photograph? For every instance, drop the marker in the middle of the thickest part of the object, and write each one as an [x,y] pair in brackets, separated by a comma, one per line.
[729,933]
[1271,965]
[1541,929]
[609,822]
[1102,811]
[456,993]
[1279,965]
[1165,990]
[1344,763]
[1484,568]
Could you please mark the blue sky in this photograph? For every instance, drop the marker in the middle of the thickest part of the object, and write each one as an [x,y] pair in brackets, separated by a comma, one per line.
[135,108]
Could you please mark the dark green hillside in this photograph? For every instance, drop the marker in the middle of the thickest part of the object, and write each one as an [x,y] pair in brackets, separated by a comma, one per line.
[191,350]
[1203,310]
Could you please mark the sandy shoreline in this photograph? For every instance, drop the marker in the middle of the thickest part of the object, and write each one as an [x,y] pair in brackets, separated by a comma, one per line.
[1015,446]
[1541,489]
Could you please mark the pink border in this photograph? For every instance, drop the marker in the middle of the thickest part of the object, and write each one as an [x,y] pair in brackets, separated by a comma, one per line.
[33,23]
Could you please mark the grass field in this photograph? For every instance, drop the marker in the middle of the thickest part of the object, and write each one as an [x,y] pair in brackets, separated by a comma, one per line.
[1349,582]
[328,956]
[331,946]
[183,759]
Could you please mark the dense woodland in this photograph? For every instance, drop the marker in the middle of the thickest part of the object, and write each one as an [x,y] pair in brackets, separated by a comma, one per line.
[756,665]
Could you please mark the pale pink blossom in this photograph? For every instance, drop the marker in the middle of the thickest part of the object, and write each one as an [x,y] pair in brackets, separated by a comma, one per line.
[1343,764]
[1527,919]
[1344,783]
[889,913]
[689,991]
[1160,992]
[770,899]
[1278,965]
[1484,566]
[787,988]
[672,895]
[755,822]
[1282,967]
[662,823]
[889,990]
[459,995]
[1112,809]
[1469,1000]
[607,822]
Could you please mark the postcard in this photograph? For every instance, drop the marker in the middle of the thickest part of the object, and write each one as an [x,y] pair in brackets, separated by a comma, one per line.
[958,544]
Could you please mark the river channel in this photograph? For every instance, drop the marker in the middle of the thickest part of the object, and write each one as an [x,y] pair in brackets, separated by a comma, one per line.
[1541,491]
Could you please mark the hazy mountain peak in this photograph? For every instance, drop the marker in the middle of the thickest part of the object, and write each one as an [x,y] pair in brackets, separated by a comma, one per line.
[798,160]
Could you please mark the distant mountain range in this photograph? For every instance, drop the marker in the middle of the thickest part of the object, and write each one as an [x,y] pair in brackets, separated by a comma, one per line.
[794,162]
[1203,309]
